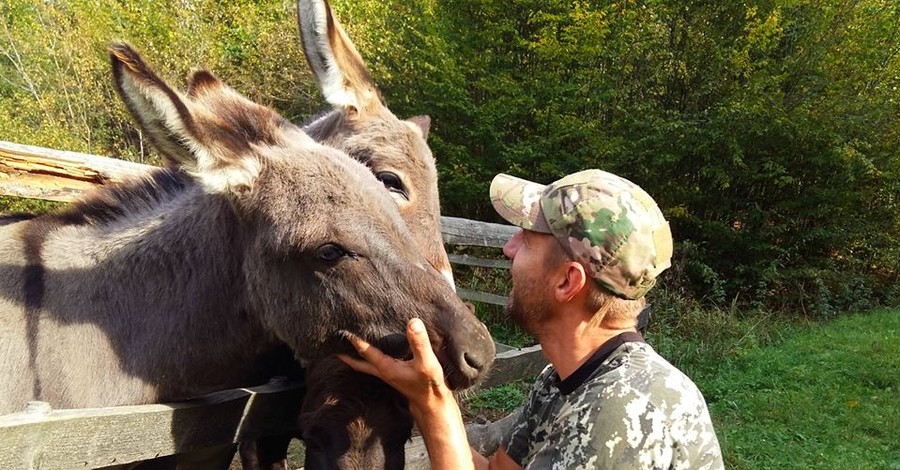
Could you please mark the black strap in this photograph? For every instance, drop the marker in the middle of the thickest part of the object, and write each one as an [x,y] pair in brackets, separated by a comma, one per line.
[643,318]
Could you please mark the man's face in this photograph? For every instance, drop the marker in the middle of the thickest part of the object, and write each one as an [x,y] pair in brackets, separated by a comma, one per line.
[528,303]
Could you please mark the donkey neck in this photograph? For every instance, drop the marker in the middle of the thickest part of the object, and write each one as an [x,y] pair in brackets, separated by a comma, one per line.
[164,285]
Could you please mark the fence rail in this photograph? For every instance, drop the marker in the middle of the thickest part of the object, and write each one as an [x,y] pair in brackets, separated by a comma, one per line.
[87,438]
[40,437]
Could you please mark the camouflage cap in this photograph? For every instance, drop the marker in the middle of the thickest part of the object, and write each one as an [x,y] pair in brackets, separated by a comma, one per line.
[607,223]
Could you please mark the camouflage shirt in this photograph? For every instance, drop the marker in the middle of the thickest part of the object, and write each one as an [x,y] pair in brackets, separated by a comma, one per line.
[626,407]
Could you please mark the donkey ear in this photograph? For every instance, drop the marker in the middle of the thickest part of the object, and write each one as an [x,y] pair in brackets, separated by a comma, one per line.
[201,82]
[423,122]
[337,65]
[159,110]
[166,117]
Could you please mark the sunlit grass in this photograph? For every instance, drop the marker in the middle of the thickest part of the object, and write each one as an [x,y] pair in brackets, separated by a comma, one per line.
[824,397]
[17,205]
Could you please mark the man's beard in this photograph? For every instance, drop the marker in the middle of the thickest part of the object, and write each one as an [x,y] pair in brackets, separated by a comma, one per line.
[528,306]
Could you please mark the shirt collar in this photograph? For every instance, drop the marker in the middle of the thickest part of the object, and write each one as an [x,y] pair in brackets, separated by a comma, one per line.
[587,369]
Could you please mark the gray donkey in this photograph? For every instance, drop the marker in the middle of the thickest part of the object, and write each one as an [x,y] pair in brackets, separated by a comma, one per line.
[352,421]
[175,286]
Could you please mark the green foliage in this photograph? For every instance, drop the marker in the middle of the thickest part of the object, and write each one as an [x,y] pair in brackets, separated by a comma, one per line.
[782,392]
[56,89]
[696,336]
[15,205]
[769,132]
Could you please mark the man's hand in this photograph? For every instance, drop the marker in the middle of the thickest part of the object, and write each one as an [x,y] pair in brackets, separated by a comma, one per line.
[420,379]
[431,403]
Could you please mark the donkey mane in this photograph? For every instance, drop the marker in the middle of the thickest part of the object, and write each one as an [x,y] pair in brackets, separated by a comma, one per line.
[110,203]
[322,125]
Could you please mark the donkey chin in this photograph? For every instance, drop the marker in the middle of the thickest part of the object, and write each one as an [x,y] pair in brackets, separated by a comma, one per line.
[459,372]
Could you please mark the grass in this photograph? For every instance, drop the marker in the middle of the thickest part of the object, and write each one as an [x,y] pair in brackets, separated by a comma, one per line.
[493,403]
[783,394]
[824,397]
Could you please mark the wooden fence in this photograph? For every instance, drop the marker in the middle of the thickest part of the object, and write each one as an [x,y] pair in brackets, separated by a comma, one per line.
[42,438]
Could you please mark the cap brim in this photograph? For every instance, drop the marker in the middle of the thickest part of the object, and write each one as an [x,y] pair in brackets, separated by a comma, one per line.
[519,202]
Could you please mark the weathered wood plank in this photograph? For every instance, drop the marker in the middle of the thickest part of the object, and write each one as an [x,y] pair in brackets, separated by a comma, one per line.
[37,186]
[459,231]
[89,438]
[416,455]
[57,175]
[514,365]
[481,296]
[483,437]
[473,261]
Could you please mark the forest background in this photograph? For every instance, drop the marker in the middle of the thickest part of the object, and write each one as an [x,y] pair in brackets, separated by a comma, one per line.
[768,131]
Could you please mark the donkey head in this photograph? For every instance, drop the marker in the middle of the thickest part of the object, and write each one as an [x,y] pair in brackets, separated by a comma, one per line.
[362,126]
[323,247]
[343,428]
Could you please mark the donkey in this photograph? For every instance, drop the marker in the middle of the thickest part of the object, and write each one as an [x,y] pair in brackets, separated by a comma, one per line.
[352,420]
[266,238]
[361,125]
[396,152]
[348,420]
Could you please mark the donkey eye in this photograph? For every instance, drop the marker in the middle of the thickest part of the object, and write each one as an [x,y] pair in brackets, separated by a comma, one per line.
[331,252]
[393,184]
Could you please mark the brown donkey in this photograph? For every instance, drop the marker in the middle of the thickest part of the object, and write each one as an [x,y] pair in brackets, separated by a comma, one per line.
[361,125]
[342,434]
[266,239]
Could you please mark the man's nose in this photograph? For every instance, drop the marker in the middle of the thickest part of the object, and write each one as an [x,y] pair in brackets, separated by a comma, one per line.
[512,245]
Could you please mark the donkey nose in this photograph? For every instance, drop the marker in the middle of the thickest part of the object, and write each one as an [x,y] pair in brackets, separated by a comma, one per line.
[479,355]
[476,361]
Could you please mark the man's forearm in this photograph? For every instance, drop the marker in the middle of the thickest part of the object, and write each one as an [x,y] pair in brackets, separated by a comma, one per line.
[440,422]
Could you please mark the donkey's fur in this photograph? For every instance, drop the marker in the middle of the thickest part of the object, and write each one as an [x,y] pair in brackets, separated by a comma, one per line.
[173,286]
[352,421]
[349,420]
[361,125]
[396,152]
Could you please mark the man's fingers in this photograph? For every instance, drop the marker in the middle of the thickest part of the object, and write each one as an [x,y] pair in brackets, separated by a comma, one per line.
[418,339]
[373,359]
[359,365]
[366,350]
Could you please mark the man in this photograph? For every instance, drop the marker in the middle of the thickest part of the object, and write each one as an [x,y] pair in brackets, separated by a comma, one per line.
[591,245]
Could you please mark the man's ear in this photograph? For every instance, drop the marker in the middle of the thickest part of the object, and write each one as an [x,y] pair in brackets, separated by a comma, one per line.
[570,281]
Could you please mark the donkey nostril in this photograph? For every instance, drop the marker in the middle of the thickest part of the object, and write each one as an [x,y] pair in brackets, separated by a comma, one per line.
[474,362]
